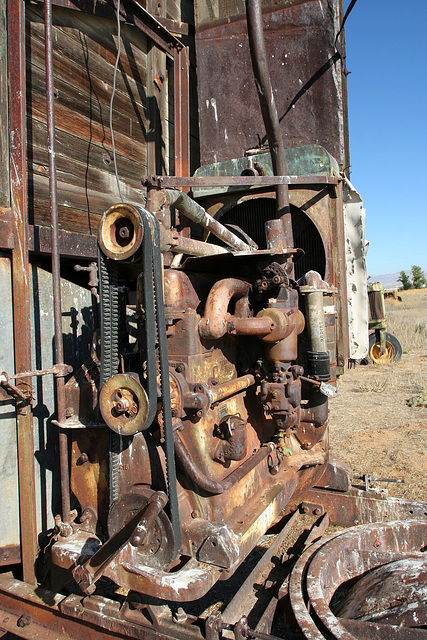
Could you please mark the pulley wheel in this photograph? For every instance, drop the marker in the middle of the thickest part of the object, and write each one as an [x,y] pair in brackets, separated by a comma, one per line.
[124,404]
[120,231]
[158,549]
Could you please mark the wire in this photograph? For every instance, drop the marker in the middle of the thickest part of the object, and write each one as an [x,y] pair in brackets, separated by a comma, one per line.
[347,13]
[112,99]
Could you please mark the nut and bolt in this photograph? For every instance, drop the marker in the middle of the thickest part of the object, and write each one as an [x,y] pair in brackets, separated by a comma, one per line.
[124,232]
[24,621]
[180,617]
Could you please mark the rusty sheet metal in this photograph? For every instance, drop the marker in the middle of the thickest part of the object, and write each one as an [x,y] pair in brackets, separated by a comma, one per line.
[359,506]
[305,72]
[77,335]
[348,555]
[9,505]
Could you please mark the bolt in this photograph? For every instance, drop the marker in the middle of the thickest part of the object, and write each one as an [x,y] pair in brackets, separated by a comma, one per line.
[180,368]
[174,413]
[317,512]
[305,508]
[69,412]
[24,621]
[275,393]
[195,514]
[82,459]
[124,232]
[180,617]
[199,413]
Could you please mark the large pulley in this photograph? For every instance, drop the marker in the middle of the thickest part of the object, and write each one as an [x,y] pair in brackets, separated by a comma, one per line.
[124,404]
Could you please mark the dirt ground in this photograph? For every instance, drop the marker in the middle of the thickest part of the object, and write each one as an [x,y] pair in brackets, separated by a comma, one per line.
[378,421]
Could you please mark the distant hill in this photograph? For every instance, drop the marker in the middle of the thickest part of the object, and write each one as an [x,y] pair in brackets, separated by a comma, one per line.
[390,280]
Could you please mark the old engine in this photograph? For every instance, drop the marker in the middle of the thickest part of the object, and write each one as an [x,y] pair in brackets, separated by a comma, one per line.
[203,409]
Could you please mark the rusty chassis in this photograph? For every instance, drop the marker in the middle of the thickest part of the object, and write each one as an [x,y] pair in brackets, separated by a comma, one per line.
[390,550]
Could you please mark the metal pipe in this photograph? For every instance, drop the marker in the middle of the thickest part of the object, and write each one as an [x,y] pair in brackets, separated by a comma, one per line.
[182,244]
[196,213]
[214,322]
[216,394]
[56,273]
[269,112]
[211,486]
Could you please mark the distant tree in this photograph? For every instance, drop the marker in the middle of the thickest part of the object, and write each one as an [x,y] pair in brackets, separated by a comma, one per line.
[404,279]
[418,277]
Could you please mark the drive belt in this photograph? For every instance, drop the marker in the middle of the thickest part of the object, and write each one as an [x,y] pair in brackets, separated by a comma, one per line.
[109,302]
[155,335]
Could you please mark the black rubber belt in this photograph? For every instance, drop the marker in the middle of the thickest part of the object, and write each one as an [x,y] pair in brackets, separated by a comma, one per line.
[109,302]
[155,327]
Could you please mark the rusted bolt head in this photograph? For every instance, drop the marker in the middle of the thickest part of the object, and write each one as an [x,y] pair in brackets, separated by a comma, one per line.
[180,368]
[82,459]
[195,514]
[24,621]
[317,511]
[69,412]
[124,232]
[180,617]
[305,508]
[199,413]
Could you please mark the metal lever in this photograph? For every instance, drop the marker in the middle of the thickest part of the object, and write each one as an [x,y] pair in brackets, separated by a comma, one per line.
[135,532]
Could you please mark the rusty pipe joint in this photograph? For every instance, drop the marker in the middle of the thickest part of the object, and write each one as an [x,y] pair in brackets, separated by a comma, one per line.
[213,325]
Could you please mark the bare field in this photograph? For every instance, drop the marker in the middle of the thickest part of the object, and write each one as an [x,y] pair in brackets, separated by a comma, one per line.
[378,421]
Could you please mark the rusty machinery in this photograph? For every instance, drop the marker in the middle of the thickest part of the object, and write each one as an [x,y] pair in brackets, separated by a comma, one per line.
[200,421]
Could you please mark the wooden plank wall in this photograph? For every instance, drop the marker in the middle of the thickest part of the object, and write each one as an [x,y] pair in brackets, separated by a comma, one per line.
[85,48]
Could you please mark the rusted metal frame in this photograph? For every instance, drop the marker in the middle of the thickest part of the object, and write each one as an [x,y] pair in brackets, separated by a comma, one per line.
[340,275]
[181,111]
[178,182]
[269,113]
[21,278]
[37,613]
[360,507]
[56,267]
[236,607]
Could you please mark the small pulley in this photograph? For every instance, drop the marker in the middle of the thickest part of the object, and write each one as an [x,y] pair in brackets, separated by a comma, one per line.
[124,404]
[120,231]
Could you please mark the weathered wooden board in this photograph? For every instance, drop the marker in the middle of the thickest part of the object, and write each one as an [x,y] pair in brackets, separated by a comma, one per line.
[85,47]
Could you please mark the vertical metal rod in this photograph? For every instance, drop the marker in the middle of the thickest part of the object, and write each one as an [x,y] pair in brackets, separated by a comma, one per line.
[269,111]
[56,272]
[21,279]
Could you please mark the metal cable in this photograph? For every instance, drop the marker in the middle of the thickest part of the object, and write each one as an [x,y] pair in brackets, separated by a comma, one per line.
[112,99]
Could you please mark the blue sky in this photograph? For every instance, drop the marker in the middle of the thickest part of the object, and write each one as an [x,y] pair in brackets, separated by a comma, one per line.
[387,89]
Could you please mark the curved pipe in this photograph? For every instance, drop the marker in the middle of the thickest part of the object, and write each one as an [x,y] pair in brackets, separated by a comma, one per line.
[269,111]
[214,322]
[207,484]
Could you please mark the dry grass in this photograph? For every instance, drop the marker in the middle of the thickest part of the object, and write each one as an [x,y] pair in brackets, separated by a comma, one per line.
[379,418]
